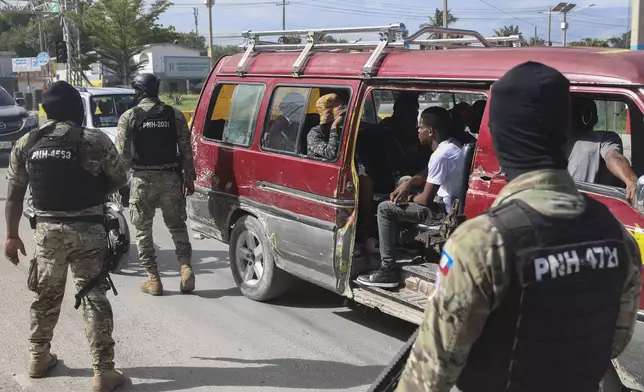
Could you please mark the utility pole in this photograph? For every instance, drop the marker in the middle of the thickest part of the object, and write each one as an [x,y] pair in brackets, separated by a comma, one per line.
[210,4]
[564,28]
[549,43]
[195,11]
[536,36]
[445,17]
[637,26]
[283,14]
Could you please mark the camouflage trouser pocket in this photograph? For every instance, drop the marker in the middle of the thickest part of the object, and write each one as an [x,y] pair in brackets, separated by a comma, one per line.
[32,276]
[136,213]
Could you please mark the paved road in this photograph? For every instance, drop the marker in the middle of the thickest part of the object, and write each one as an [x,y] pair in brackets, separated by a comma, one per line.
[212,340]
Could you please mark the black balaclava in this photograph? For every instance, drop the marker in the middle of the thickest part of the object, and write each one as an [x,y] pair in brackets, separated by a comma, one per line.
[62,102]
[530,119]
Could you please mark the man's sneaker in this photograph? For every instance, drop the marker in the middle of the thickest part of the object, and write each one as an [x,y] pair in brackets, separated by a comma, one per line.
[383,277]
[40,367]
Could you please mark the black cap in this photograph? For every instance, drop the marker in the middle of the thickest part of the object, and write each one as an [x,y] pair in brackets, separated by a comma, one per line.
[62,102]
[530,119]
[146,84]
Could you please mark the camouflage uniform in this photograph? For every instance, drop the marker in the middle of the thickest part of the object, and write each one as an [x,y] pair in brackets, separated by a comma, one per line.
[81,246]
[480,277]
[158,189]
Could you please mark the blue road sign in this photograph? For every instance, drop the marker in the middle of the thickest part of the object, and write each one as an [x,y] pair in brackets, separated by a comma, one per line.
[43,58]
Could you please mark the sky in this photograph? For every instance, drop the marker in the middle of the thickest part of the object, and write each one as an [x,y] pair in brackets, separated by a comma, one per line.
[594,18]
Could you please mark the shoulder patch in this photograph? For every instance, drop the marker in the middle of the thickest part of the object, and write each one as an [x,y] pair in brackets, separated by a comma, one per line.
[445,263]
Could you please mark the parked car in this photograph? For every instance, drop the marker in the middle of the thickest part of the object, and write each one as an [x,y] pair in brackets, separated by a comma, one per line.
[103,107]
[285,213]
[15,120]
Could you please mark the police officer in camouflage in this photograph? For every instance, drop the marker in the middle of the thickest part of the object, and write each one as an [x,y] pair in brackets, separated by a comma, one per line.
[71,171]
[154,140]
[541,291]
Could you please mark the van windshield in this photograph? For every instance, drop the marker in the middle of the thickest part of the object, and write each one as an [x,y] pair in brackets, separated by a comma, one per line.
[108,108]
[5,98]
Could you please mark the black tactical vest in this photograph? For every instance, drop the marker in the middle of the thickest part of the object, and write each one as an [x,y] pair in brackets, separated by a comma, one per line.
[554,329]
[155,136]
[58,181]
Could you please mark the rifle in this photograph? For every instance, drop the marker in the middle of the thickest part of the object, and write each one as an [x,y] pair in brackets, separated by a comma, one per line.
[388,380]
[104,274]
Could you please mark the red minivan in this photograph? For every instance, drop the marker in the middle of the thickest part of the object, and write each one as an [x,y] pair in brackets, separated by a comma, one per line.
[286,214]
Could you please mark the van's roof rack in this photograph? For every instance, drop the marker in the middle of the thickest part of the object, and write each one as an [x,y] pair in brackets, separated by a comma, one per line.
[392,37]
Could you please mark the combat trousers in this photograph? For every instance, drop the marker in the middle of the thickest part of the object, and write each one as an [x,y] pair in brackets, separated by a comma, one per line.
[82,247]
[150,190]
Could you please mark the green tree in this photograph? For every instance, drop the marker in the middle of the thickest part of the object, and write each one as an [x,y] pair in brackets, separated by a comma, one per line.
[290,39]
[436,20]
[593,42]
[331,39]
[13,29]
[507,31]
[118,29]
[220,51]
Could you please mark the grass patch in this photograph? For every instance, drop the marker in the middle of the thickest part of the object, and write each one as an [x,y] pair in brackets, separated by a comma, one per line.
[188,102]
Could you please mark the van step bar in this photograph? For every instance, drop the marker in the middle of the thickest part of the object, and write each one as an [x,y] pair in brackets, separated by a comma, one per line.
[405,304]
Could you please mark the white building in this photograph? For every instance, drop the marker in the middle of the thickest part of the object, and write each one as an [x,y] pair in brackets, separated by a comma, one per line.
[178,66]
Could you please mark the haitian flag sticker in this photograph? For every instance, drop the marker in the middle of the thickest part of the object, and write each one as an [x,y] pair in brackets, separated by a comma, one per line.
[445,263]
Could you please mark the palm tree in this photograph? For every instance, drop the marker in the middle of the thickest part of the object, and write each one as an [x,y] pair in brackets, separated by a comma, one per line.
[437,21]
[507,31]
[623,41]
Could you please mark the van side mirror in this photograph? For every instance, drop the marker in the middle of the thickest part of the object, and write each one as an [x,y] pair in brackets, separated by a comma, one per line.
[638,198]
[20,102]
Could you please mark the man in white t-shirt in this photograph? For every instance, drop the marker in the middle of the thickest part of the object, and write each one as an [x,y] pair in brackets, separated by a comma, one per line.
[432,203]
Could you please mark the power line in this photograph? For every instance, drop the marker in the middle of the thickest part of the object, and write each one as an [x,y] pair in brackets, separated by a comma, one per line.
[507,13]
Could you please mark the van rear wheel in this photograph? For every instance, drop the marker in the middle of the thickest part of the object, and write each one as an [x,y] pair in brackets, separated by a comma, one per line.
[252,262]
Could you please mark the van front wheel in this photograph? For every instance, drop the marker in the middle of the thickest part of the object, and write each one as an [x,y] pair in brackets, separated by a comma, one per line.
[252,263]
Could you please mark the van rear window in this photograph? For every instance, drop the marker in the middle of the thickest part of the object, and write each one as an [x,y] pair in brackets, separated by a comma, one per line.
[233,113]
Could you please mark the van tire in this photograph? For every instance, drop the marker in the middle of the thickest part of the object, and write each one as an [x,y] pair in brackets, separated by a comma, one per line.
[248,235]
[611,382]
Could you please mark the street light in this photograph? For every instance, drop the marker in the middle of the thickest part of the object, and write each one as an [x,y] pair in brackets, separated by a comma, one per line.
[565,8]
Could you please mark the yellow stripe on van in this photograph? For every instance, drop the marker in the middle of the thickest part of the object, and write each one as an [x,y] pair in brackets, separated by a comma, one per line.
[638,234]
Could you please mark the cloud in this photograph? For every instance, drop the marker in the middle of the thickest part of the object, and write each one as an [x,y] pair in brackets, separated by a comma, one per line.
[605,19]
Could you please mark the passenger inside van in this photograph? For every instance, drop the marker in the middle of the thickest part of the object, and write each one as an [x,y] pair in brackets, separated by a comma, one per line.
[596,156]
[323,140]
[282,131]
[391,147]
[433,130]
[459,114]
[475,116]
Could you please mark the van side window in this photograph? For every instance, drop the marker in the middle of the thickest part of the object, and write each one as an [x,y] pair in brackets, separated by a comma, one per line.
[611,117]
[233,113]
[293,119]
[285,118]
